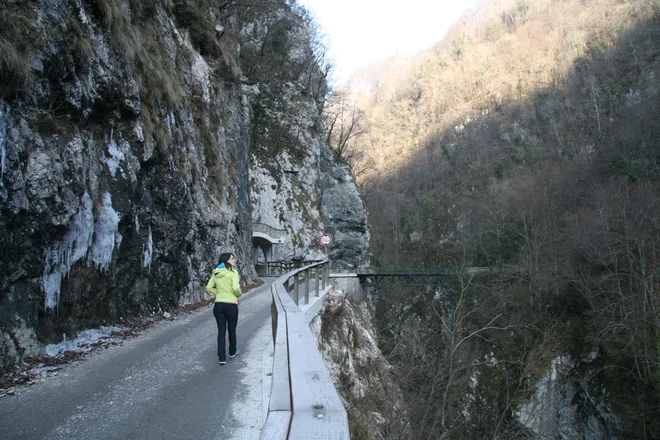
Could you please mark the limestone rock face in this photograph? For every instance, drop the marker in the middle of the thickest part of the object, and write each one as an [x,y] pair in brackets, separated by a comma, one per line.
[299,192]
[302,191]
[345,217]
[134,152]
[363,377]
[564,405]
[286,181]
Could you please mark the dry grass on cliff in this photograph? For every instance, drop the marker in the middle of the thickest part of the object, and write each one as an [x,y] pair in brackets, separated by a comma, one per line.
[16,24]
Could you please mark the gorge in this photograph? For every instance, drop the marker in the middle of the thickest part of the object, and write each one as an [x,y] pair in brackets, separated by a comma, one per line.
[141,138]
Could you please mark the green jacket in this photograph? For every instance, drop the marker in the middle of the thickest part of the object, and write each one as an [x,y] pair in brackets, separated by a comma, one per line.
[225,285]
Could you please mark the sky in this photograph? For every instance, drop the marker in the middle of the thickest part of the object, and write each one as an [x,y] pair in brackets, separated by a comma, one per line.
[364,32]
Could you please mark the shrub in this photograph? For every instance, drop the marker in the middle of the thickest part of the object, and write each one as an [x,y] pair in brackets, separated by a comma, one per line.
[195,15]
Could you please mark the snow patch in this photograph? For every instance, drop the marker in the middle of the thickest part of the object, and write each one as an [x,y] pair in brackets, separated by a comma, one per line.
[84,342]
[147,250]
[3,149]
[139,133]
[106,234]
[549,398]
[201,74]
[170,121]
[116,156]
[64,254]
[633,98]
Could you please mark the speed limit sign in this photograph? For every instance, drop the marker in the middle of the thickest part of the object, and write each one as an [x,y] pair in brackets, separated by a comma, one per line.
[326,239]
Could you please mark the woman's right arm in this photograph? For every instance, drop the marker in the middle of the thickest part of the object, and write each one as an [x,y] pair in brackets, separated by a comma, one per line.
[210,286]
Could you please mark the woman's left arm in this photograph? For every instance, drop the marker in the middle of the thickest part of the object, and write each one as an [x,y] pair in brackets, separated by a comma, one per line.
[237,286]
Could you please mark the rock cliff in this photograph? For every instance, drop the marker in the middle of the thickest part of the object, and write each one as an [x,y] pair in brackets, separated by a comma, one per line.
[458,374]
[138,140]
[364,378]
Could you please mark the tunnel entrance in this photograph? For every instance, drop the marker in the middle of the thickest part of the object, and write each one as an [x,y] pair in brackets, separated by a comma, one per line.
[265,243]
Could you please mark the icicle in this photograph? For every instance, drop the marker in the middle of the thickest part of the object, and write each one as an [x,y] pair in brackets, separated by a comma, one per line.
[106,234]
[170,121]
[116,155]
[148,250]
[62,255]
[3,149]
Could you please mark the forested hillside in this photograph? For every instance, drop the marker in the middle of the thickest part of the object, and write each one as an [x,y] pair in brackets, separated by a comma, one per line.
[526,141]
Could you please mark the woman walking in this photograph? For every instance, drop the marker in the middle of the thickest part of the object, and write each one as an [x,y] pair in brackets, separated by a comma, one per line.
[225,285]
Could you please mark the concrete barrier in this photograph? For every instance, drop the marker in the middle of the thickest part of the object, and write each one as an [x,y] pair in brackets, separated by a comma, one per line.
[304,403]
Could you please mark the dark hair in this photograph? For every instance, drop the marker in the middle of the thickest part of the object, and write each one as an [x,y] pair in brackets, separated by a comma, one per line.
[224,258]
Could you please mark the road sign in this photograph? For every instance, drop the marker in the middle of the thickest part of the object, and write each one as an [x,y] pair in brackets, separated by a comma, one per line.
[326,239]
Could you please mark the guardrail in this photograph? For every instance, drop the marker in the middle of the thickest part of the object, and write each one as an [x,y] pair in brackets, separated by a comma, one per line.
[304,403]
[281,267]
[319,271]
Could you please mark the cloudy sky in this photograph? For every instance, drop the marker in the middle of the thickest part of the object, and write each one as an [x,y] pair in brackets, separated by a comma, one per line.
[363,32]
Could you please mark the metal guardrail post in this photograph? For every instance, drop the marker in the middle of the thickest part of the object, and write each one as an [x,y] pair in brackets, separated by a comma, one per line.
[326,274]
[295,286]
[317,273]
[306,275]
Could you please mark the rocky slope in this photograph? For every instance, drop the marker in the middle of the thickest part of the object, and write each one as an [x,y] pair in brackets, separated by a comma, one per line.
[141,139]
[364,378]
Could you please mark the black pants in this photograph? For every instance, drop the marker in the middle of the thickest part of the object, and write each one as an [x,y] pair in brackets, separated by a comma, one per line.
[226,316]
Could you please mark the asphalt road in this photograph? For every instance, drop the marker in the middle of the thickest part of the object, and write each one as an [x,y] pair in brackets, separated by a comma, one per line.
[163,384]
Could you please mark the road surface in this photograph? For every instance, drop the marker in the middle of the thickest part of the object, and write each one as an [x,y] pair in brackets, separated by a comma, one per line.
[164,384]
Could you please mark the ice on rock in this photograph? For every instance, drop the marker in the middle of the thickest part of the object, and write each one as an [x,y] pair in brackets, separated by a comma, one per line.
[64,254]
[106,234]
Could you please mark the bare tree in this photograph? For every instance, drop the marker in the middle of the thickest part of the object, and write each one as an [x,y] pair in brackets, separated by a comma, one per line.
[344,124]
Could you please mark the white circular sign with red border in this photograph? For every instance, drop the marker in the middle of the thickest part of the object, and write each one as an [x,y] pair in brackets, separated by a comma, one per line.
[326,239]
